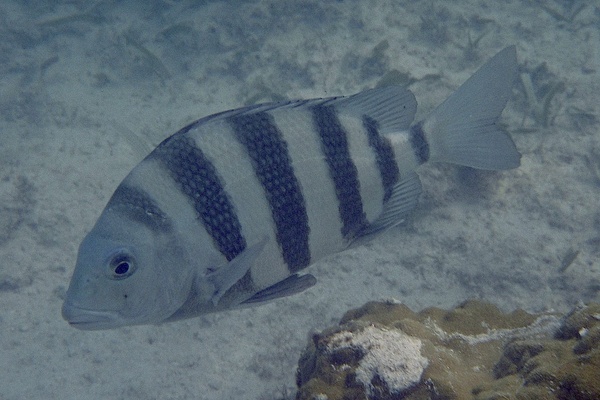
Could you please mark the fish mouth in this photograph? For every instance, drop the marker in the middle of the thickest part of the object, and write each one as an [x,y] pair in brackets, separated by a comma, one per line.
[86,319]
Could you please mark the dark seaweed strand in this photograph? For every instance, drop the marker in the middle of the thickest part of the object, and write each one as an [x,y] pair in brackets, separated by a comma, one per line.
[384,154]
[199,181]
[419,143]
[272,164]
[140,207]
[342,170]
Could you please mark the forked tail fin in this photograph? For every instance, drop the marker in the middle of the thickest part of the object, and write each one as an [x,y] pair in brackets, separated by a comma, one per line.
[463,129]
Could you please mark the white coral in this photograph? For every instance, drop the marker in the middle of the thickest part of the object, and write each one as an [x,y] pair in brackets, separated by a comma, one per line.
[391,355]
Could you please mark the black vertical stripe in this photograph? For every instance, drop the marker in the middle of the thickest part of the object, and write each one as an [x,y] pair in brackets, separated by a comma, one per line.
[384,154]
[140,207]
[419,143]
[269,154]
[344,174]
[198,179]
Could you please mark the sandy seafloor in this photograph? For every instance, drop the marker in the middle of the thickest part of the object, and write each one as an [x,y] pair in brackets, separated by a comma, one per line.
[86,90]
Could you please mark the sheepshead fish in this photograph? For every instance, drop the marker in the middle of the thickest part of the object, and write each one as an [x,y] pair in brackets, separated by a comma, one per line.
[228,211]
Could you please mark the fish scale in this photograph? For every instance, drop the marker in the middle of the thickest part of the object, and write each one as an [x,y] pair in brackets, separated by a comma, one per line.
[390,173]
[199,180]
[342,169]
[268,151]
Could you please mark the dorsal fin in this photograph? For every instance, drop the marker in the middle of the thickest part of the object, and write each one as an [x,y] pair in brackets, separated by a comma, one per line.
[393,107]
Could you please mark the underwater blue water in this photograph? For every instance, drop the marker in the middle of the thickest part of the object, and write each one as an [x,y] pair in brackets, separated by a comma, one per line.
[88,89]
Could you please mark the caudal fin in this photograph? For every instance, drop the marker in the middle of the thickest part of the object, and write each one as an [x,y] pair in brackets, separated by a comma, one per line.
[463,129]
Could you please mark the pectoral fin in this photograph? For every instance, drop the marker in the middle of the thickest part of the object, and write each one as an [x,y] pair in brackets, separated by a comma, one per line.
[227,275]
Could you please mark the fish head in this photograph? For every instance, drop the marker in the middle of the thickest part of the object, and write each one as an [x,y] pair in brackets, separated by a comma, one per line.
[127,273]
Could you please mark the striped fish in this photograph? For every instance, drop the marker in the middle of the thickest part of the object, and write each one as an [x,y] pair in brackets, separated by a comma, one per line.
[229,210]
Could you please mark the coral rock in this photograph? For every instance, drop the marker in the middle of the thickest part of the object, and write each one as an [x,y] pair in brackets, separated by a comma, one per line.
[384,350]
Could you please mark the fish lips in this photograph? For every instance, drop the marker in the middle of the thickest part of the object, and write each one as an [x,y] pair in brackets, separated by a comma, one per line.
[86,319]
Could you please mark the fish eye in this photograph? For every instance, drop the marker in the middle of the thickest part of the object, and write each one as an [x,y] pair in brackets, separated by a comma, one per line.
[121,265]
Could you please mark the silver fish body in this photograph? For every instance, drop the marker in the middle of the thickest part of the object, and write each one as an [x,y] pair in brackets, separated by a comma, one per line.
[228,211]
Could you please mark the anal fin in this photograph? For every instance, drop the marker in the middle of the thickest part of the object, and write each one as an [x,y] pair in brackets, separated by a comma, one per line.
[404,198]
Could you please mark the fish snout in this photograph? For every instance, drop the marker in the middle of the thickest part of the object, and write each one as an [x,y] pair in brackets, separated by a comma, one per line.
[87,319]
